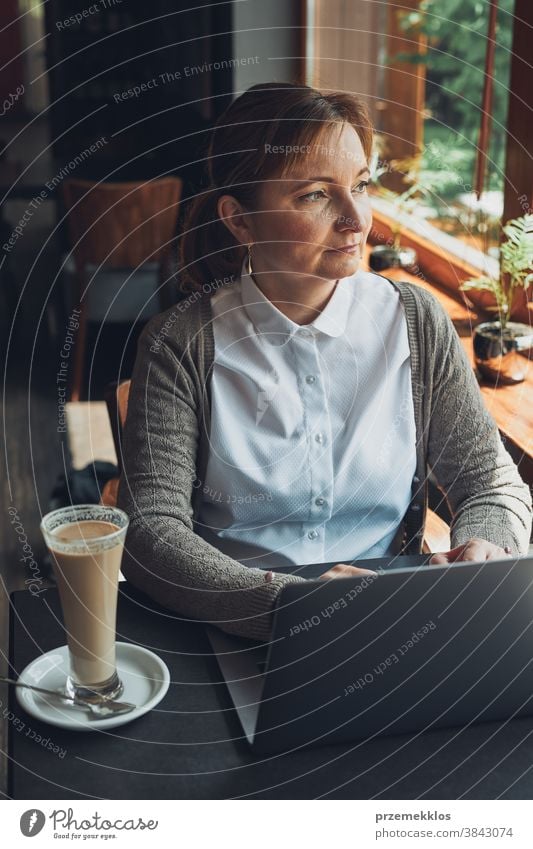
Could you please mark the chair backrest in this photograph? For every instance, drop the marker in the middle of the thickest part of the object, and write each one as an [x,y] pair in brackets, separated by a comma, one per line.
[116,397]
[121,225]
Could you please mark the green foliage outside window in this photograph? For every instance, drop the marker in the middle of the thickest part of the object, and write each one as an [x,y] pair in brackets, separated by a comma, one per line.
[456,32]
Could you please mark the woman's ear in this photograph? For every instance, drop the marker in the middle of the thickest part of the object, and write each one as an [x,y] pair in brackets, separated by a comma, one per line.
[232,214]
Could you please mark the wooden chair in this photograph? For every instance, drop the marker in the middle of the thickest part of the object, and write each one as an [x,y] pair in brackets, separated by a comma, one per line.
[436,534]
[116,398]
[117,226]
[436,531]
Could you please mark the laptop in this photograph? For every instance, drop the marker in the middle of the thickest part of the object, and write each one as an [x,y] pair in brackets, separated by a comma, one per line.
[406,650]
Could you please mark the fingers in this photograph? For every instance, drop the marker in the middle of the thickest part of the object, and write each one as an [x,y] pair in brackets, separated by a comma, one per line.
[476,550]
[437,559]
[345,570]
[447,556]
[350,571]
[497,553]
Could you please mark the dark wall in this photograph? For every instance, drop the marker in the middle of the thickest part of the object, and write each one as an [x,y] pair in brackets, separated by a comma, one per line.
[149,77]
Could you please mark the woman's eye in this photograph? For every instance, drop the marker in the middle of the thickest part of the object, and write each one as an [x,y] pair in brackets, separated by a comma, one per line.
[318,194]
[312,196]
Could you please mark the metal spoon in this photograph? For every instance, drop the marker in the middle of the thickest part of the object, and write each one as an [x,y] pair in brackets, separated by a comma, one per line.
[107,707]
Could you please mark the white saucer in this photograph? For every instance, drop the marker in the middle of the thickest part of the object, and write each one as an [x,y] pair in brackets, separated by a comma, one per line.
[145,677]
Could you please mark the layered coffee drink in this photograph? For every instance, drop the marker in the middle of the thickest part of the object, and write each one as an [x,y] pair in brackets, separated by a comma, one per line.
[87,584]
[86,545]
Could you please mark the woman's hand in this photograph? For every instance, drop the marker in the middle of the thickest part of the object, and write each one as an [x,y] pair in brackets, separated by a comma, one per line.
[475,549]
[344,570]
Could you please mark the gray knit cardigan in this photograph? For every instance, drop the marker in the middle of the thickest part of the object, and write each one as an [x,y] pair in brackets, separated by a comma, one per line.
[166,447]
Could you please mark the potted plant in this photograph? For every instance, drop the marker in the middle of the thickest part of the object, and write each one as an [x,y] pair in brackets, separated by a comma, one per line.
[498,344]
[421,186]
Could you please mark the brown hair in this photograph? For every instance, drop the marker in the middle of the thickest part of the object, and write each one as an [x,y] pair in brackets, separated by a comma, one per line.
[270,114]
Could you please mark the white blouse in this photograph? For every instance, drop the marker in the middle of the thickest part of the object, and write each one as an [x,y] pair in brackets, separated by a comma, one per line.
[312,443]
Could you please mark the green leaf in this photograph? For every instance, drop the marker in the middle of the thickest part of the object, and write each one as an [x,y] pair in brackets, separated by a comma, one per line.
[410,58]
[486,284]
[517,251]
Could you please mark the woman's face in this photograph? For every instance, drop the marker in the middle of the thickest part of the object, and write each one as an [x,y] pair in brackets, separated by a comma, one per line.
[316,220]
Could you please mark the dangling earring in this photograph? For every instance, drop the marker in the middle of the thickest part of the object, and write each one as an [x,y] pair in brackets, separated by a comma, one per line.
[249,269]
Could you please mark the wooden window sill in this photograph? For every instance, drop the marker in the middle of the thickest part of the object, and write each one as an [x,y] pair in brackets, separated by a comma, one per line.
[446,269]
[510,406]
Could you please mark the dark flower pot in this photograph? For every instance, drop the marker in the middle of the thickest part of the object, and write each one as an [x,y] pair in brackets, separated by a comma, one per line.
[498,354]
[385,256]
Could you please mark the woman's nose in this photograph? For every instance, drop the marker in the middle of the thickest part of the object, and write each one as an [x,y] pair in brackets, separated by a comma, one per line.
[350,216]
[350,222]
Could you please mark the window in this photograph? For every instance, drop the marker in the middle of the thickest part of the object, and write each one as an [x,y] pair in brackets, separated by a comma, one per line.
[419,65]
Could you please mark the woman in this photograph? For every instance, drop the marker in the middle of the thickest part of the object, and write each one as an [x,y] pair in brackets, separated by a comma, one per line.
[290,408]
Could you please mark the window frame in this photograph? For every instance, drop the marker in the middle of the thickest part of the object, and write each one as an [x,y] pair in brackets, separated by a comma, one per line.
[439,264]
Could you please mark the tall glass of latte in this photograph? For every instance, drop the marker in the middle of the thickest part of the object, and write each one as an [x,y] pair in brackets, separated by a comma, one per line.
[86,543]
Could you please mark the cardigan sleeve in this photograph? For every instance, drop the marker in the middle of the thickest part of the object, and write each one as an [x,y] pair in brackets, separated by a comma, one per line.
[485,493]
[163,556]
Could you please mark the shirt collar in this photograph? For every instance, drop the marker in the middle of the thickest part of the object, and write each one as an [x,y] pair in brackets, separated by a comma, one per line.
[278,328]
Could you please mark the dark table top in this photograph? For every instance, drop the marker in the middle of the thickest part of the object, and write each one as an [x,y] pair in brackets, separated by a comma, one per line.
[191,745]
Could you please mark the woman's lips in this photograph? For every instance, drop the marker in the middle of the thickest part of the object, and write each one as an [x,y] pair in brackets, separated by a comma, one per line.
[347,249]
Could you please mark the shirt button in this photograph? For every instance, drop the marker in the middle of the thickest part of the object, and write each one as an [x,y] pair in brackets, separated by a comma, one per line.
[310,378]
[312,534]
[319,437]
[416,479]
[320,501]
[415,507]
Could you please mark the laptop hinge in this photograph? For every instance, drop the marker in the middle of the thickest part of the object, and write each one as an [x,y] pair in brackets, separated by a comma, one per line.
[241,674]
